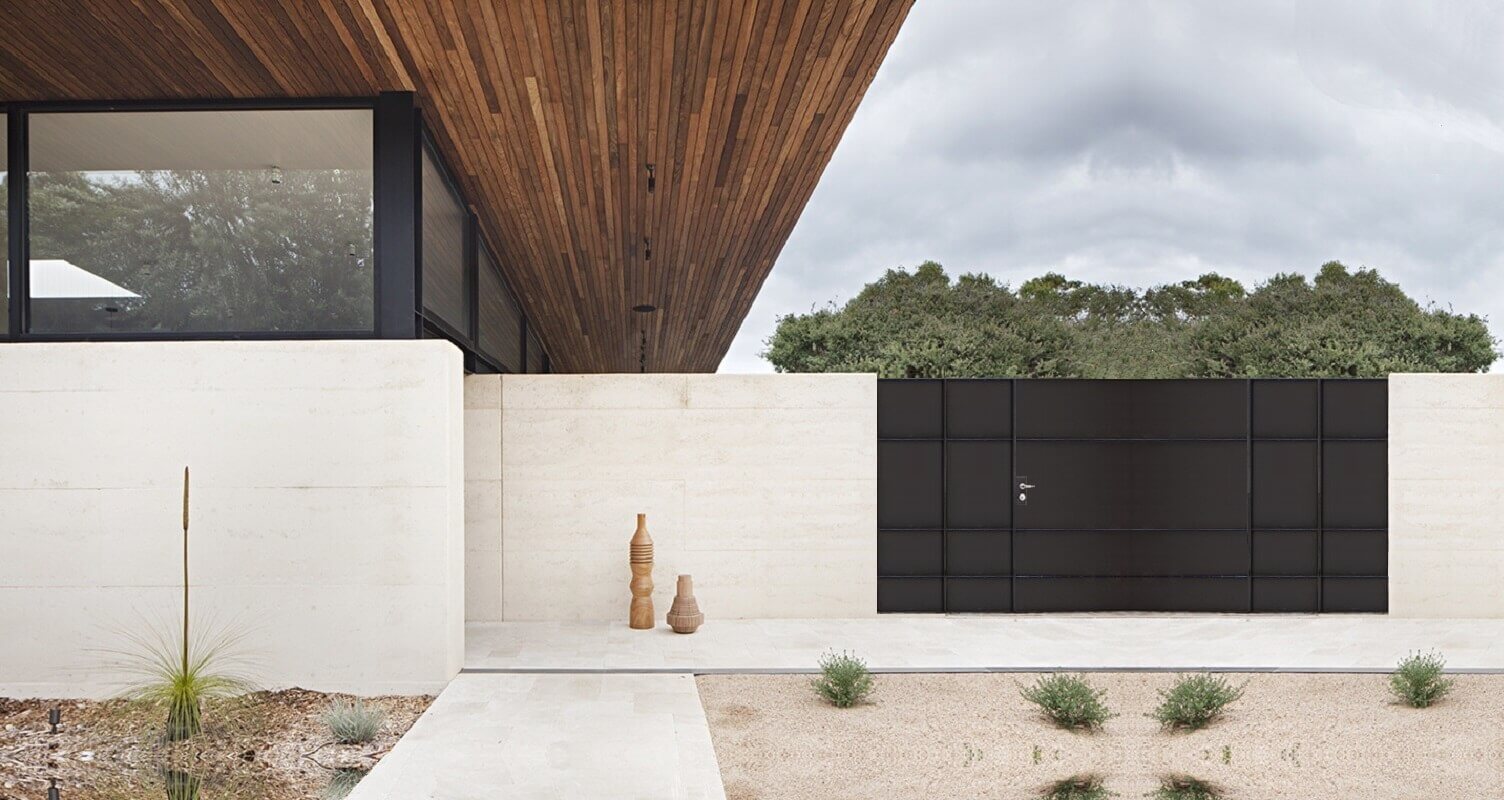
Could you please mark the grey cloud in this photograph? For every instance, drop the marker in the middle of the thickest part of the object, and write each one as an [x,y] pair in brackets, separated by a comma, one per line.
[1140,142]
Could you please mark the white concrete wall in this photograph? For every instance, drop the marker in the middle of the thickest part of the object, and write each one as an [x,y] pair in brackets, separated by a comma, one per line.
[327,507]
[764,487]
[1446,496]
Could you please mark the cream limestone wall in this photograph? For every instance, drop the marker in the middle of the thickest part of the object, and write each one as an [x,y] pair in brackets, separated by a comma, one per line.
[1446,496]
[764,487]
[328,508]
[483,498]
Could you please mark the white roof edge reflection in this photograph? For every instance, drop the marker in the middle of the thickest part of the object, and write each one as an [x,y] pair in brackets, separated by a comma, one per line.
[57,279]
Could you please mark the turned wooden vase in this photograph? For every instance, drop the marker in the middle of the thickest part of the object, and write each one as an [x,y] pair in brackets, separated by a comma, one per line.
[640,616]
[684,615]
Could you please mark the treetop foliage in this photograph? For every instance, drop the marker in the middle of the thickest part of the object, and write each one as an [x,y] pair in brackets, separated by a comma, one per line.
[923,324]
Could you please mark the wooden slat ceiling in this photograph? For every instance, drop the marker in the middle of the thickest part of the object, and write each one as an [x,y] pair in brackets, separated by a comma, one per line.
[551,111]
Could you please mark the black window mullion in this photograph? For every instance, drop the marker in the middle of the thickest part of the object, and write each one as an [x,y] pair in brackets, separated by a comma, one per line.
[1321,494]
[1013,482]
[472,278]
[526,330]
[397,223]
[16,224]
[1248,505]
[417,216]
[944,505]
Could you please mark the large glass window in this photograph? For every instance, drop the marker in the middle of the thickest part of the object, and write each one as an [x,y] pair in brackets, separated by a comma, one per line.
[500,317]
[201,221]
[443,248]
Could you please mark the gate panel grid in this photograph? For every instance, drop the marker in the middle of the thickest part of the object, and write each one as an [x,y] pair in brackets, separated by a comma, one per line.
[999,495]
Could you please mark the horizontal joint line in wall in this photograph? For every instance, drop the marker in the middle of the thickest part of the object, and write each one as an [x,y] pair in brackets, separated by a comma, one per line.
[1232,576]
[1131,439]
[945,438]
[1127,530]
[1006,529]
[1320,439]
[1264,576]
[1092,439]
[942,577]
[1051,576]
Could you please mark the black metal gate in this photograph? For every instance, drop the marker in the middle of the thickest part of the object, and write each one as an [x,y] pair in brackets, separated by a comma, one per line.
[1132,495]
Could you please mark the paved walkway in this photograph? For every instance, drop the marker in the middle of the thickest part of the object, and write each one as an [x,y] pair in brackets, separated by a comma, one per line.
[633,737]
[595,710]
[1024,642]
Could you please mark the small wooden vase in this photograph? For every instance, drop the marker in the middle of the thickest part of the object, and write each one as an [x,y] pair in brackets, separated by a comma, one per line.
[684,615]
[641,614]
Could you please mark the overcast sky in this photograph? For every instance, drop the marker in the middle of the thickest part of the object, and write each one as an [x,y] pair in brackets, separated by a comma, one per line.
[1147,142]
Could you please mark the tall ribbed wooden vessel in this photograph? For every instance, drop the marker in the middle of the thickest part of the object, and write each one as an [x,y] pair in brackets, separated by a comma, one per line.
[641,615]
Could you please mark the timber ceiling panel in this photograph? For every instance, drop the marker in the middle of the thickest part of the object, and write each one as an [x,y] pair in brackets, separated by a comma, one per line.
[551,112]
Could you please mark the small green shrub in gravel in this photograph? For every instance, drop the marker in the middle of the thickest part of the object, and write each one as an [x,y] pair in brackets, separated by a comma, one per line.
[1184,787]
[1418,681]
[1069,701]
[352,721]
[1076,787]
[1194,701]
[844,680]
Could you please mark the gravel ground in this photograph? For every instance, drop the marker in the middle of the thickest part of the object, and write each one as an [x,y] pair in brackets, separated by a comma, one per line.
[267,745]
[972,736]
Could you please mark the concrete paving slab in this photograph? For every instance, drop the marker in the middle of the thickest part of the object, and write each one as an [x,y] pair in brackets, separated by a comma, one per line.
[551,736]
[924,643]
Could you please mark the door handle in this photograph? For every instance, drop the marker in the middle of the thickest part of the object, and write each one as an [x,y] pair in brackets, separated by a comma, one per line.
[1023,485]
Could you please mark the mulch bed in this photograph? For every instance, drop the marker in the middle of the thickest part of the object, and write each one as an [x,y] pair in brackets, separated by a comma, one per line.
[271,745]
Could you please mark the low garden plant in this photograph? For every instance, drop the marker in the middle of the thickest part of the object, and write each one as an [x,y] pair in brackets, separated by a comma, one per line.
[1184,787]
[1076,787]
[1069,701]
[352,721]
[341,784]
[1194,701]
[844,680]
[1419,680]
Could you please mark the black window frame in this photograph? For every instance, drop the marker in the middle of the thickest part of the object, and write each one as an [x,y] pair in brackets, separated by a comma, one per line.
[432,321]
[496,362]
[15,126]
[399,135]
[430,324]
[19,212]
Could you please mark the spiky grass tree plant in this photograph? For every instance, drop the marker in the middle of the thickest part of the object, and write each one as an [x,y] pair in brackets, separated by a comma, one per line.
[181,785]
[180,672]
